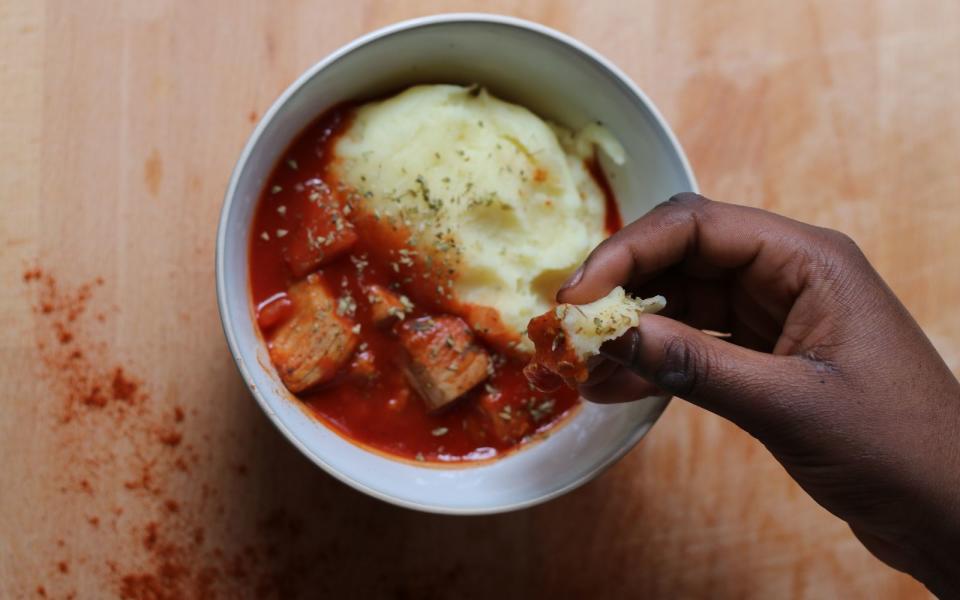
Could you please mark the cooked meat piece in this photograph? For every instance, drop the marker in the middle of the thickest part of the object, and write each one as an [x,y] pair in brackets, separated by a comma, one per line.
[385,306]
[323,235]
[314,342]
[555,359]
[443,362]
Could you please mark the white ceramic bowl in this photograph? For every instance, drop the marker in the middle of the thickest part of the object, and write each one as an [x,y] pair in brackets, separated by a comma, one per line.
[546,71]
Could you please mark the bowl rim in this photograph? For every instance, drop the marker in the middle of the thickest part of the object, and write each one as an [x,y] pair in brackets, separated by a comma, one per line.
[240,165]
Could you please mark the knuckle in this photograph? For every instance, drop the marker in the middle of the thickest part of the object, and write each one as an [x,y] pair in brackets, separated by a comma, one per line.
[684,207]
[840,242]
[684,202]
[833,253]
[688,200]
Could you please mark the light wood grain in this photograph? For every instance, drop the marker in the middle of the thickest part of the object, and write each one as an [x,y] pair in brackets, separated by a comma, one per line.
[119,125]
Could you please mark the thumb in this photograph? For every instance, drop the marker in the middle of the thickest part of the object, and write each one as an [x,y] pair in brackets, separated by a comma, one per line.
[753,389]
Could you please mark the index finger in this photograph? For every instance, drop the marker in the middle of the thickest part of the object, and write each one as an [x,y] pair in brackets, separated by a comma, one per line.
[687,228]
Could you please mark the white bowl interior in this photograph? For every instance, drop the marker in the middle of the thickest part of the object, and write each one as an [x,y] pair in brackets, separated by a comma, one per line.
[540,69]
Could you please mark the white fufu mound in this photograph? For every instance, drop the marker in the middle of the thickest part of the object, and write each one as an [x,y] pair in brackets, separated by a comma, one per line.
[508,190]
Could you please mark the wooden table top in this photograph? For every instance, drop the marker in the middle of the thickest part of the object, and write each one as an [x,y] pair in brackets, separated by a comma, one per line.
[134,460]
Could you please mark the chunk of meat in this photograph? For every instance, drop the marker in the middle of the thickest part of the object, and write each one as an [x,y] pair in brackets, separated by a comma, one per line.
[555,360]
[324,234]
[314,342]
[385,306]
[444,363]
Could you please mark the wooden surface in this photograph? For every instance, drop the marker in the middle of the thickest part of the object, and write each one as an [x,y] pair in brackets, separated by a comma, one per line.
[119,125]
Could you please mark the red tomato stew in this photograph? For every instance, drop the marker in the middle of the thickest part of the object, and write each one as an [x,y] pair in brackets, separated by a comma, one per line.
[364,330]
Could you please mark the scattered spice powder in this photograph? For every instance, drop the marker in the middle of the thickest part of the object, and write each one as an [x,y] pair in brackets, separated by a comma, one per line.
[171,438]
[98,400]
[123,388]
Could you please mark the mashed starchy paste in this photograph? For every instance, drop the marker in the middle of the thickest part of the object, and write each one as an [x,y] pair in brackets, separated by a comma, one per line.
[502,195]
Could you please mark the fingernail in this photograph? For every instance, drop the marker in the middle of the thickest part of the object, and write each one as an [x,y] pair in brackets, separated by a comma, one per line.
[573,279]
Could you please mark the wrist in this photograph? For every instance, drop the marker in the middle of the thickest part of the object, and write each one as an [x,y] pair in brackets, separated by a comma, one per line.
[937,542]
[940,570]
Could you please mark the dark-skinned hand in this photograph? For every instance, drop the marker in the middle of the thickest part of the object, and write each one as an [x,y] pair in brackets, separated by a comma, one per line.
[823,365]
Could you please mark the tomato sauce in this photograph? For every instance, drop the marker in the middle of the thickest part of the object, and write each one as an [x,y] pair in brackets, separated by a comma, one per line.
[370,402]
[555,362]
[612,220]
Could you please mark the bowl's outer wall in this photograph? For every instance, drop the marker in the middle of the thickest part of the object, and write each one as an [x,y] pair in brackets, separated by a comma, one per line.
[555,77]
